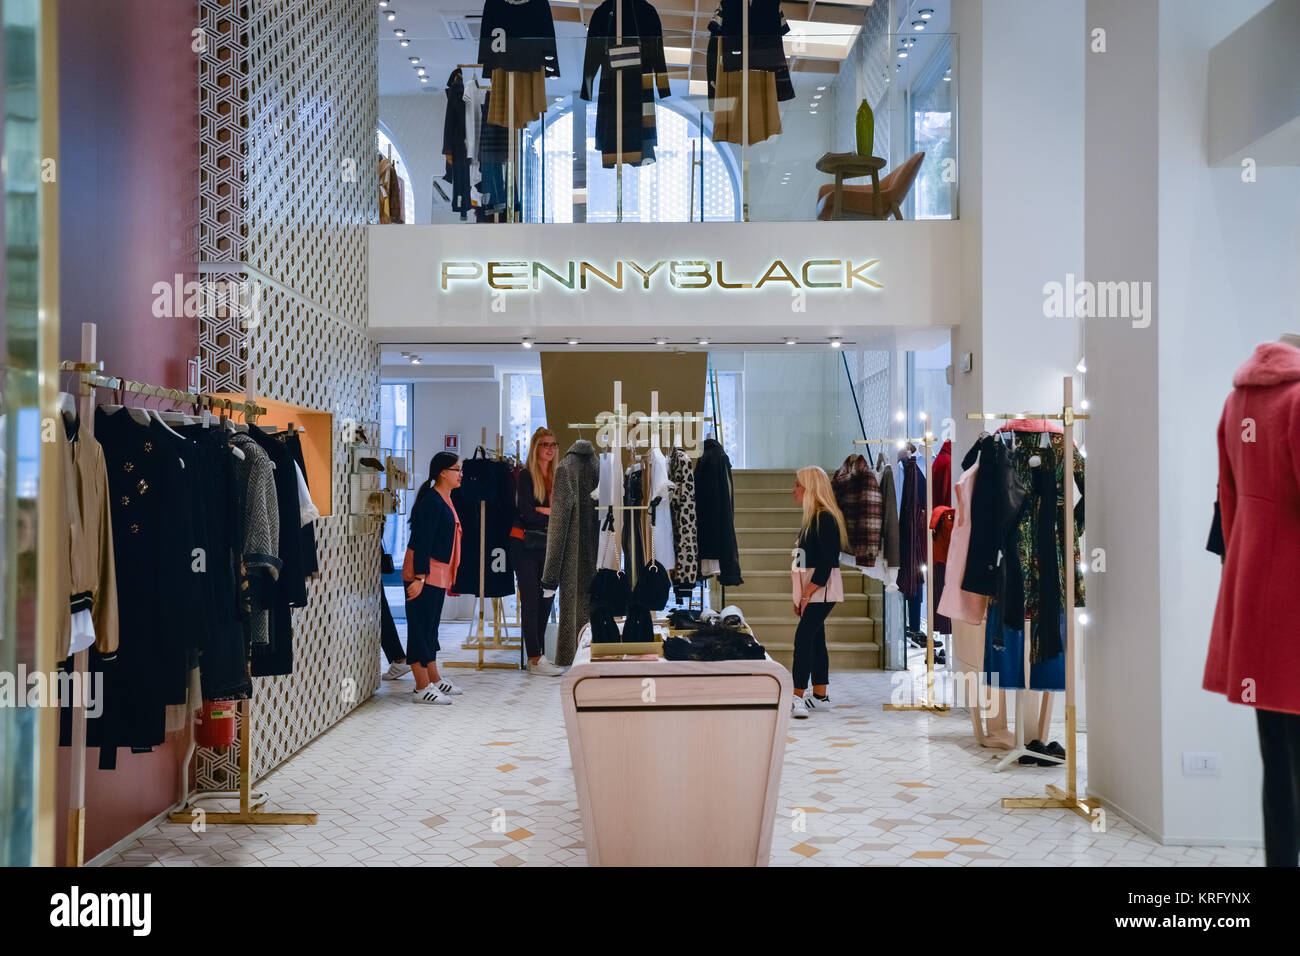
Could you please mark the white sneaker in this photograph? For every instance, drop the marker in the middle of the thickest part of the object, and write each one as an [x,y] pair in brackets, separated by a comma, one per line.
[447,687]
[813,701]
[397,671]
[544,668]
[799,707]
[429,694]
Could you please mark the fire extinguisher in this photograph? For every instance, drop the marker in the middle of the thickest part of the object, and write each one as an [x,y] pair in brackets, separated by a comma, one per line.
[216,725]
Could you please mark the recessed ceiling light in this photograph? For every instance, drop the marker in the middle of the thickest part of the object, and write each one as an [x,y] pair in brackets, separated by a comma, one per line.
[413,59]
[925,14]
[424,79]
[947,79]
[898,415]
[817,96]
[383,3]
[526,342]
[415,360]
[918,24]
[573,341]
[835,343]
[419,71]
[789,341]
[702,341]
[820,89]
[406,43]
[399,32]
[902,54]
[391,14]
[661,341]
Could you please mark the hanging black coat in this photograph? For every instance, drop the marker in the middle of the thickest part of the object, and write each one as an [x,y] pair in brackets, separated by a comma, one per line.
[997,502]
[913,526]
[766,49]
[455,147]
[716,512]
[517,35]
[642,29]
[498,573]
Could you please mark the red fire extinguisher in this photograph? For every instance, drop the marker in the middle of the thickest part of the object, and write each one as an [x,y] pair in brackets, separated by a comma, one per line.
[216,725]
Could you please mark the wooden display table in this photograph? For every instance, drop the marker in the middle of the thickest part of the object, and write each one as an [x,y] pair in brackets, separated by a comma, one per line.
[849,166]
[677,763]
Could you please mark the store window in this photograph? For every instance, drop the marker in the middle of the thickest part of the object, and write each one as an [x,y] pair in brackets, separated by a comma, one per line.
[396,433]
[658,192]
[725,419]
[932,132]
[527,409]
[388,148]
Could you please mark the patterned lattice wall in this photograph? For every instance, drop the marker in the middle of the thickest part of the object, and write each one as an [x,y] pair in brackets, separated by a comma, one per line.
[288,108]
[867,73]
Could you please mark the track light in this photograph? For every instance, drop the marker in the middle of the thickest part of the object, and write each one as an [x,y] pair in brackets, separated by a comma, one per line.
[526,342]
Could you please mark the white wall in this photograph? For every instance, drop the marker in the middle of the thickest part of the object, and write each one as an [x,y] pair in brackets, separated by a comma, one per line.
[463,408]
[414,123]
[1227,267]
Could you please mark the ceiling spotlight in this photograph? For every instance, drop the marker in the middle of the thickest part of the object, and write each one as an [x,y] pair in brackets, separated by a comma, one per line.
[572,340]
[414,59]
[923,416]
[821,89]
[1084,405]
[399,32]
[1081,367]
[925,14]
[702,341]
[415,360]
[789,341]
[559,99]
[424,79]
[391,14]
[661,341]
[817,97]
[383,3]
[835,342]
[899,416]
[420,71]
[526,342]
[1083,619]
[902,54]
[406,43]
[918,24]
[947,79]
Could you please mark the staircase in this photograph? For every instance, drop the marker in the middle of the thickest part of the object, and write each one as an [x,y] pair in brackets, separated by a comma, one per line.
[767,524]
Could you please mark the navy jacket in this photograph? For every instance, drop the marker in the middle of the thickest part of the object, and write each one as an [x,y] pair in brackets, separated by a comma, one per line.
[433,532]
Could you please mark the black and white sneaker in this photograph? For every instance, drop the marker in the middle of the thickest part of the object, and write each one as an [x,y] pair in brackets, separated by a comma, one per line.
[814,700]
[445,686]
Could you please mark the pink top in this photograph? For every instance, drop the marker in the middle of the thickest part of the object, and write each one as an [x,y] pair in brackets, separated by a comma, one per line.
[442,574]
[955,603]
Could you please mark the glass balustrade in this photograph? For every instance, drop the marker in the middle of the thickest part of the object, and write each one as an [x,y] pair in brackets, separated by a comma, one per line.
[650,129]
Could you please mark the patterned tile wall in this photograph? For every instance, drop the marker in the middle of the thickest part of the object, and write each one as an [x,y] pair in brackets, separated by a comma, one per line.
[288,110]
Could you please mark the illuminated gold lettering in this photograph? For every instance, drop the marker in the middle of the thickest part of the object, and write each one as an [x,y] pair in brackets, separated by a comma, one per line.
[614,283]
[851,273]
[679,272]
[539,268]
[448,274]
[820,262]
[785,276]
[645,276]
[499,272]
[724,284]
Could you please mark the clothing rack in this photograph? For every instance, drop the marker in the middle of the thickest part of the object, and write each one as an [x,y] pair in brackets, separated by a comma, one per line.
[1056,799]
[90,376]
[500,628]
[929,703]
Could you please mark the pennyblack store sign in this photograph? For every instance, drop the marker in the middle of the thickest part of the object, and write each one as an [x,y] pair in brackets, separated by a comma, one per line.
[578,275]
[451,283]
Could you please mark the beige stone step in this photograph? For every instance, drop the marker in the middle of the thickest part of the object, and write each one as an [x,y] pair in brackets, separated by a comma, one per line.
[778,604]
[764,497]
[775,478]
[864,657]
[766,559]
[757,537]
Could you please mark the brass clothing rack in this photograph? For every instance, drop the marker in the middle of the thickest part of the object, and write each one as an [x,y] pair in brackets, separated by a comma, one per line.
[1057,799]
[90,377]
[929,703]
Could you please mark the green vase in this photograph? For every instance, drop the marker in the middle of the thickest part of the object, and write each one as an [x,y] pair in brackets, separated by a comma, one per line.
[866,129]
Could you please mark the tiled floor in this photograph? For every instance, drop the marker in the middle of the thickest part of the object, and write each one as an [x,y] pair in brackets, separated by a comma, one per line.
[487,782]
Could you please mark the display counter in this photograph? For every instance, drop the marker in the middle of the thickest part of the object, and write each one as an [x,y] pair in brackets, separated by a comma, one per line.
[677,763]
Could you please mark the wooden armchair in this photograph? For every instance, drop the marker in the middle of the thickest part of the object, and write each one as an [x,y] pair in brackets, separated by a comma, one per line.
[859,201]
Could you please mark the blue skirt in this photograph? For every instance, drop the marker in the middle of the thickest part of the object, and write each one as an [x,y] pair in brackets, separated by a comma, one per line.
[1004,667]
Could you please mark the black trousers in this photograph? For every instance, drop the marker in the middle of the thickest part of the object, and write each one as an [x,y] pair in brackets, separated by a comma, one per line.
[1279,745]
[914,611]
[534,610]
[810,656]
[388,638]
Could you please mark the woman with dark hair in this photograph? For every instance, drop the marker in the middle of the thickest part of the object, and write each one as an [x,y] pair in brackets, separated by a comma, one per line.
[528,547]
[432,556]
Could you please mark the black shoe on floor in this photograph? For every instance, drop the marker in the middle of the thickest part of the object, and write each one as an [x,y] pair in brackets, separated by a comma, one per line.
[1056,750]
[1038,747]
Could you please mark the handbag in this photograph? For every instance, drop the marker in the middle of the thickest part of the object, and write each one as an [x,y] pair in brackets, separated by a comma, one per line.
[478,477]
[534,540]
[832,593]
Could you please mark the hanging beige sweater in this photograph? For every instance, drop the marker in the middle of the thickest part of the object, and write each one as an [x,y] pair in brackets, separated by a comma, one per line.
[89,576]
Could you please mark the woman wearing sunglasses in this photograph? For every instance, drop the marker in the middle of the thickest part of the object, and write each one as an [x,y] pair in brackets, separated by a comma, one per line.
[432,557]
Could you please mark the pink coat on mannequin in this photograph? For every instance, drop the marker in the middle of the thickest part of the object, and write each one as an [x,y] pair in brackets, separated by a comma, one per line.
[1254,655]
[954,602]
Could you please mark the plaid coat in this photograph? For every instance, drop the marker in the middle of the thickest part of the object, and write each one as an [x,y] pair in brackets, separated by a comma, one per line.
[857,492]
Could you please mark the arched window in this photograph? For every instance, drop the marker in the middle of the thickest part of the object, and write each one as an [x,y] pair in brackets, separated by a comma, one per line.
[388,148]
[658,192]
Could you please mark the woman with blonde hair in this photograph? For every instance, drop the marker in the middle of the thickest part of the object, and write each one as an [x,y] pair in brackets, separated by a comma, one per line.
[817,585]
[528,547]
